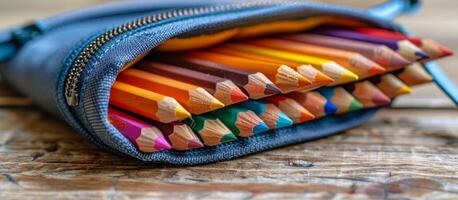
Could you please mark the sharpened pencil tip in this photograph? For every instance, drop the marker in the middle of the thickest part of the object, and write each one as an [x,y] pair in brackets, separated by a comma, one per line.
[182,113]
[376,69]
[323,79]
[355,105]
[397,61]
[238,96]
[283,121]
[330,108]
[215,104]
[405,90]
[261,127]
[445,51]
[193,144]
[381,99]
[229,137]
[271,89]
[307,116]
[421,55]
[348,76]
[160,143]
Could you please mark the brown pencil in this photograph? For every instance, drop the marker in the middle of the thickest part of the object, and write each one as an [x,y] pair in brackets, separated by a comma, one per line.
[222,89]
[192,97]
[284,77]
[380,54]
[180,135]
[317,77]
[256,84]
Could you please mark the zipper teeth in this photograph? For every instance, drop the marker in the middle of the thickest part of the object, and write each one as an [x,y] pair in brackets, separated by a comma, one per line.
[73,78]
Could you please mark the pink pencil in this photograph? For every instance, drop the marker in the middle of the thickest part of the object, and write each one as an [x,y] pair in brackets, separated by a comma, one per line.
[146,137]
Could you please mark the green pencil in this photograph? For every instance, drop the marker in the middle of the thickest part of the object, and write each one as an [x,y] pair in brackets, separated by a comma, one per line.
[210,129]
[241,121]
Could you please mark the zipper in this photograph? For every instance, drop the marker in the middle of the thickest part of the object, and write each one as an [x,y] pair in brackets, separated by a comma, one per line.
[72,81]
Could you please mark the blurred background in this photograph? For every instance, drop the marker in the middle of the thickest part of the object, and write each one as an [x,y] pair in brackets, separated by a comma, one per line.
[438,19]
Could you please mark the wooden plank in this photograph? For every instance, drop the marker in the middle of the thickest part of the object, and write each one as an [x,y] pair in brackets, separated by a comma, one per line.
[407,153]
[400,153]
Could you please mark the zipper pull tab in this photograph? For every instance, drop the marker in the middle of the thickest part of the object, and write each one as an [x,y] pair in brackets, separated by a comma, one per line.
[72,98]
[12,40]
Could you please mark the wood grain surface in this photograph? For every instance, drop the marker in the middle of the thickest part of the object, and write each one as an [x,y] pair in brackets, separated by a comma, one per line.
[399,154]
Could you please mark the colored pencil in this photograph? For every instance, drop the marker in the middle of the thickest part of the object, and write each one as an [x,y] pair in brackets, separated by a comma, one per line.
[317,77]
[315,103]
[403,47]
[431,47]
[146,137]
[355,62]
[413,74]
[328,67]
[380,54]
[391,85]
[284,77]
[146,103]
[269,113]
[291,108]
[192,97]
[180,135]
[255,84]
[368,94]
[210,129]
[343,100]
[222,89]
[241,121]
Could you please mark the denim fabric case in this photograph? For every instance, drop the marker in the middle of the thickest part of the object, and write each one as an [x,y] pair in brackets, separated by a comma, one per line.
[38,58]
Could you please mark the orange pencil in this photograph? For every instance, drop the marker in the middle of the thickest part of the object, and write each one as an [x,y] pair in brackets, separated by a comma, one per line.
[291,108]
[328,67]
[146,103]
[286,78]
[195,99]
[317,77]
[355,62]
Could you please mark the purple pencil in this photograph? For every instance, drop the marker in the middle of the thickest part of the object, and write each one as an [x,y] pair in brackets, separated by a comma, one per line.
[146,137]
[380,54]
[404,47]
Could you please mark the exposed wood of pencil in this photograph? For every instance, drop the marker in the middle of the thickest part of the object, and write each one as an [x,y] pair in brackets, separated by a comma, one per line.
[355,62]
[222,89]
[146,103]
[284,77]
[256,84]
[317,77]
[193,98]
[328,67]
[380,54]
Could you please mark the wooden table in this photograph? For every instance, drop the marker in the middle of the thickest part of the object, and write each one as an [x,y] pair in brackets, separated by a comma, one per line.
[401,153]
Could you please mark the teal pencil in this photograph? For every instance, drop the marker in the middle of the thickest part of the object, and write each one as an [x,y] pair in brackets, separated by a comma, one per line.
[241,121]
[269,113]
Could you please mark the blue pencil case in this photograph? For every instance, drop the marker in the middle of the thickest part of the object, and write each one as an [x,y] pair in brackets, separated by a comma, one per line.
[68,63]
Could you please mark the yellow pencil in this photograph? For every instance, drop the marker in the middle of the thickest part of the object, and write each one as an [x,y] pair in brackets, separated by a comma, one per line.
[328,67]
[286,78]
